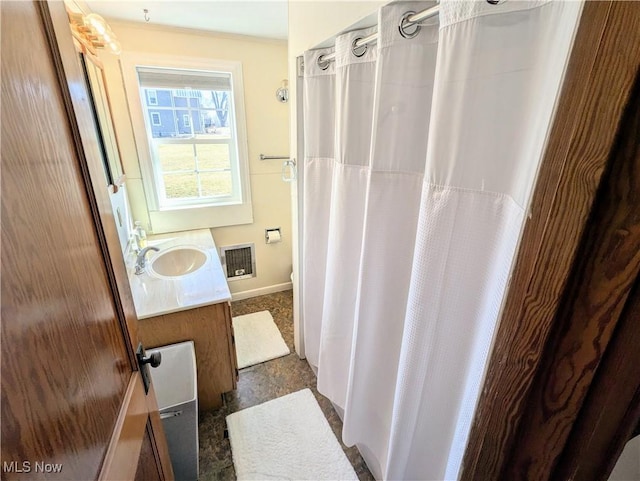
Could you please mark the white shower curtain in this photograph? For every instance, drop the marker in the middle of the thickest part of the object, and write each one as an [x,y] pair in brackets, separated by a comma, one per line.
[416,218]
[319,132]
[355,82]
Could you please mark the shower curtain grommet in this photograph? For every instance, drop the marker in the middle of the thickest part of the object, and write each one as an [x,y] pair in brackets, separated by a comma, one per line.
[323,63]
[356,50]
[405,24]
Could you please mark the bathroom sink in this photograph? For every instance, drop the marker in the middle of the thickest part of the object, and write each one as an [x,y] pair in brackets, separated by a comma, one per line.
[178,261]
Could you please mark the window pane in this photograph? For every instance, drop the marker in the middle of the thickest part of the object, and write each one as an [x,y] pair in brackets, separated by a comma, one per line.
[152,97]
[209,125]
[199,122]
[178,186]
[183,122]
[162,124]
[213,156]
[174,157]
[217,111]
[215,183]
[219,102]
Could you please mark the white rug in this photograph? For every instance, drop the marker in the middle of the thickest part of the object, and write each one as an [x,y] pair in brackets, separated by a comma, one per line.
[257,339]
[286,438]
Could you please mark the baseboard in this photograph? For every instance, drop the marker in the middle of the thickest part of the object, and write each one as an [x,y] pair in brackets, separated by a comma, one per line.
[262,291]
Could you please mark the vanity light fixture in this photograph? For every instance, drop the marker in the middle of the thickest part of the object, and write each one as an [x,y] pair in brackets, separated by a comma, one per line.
[93,32]
[98,23]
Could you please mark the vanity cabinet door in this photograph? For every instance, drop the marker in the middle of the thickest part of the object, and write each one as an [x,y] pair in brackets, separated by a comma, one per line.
[233,359]
[210,329]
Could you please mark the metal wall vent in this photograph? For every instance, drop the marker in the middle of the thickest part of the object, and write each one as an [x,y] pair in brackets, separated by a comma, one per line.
[238,261]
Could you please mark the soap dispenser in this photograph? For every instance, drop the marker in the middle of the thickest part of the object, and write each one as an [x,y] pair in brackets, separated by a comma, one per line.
[140,235]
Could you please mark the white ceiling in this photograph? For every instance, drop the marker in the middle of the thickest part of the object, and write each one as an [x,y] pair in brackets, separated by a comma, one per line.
[262,18]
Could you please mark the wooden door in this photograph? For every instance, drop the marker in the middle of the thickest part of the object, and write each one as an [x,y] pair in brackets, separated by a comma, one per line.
[73,403]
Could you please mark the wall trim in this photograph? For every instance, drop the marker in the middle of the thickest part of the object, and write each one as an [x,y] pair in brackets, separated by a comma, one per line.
[262,291]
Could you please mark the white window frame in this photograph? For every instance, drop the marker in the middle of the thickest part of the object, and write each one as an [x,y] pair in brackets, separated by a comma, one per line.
[153,97]
[172,218]
[154,122]
[186,120]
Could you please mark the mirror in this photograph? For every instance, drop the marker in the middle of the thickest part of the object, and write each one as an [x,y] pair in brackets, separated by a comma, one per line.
[108,144]
[104,123]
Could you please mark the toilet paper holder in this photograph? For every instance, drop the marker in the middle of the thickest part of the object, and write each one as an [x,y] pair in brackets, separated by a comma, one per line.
[272,235]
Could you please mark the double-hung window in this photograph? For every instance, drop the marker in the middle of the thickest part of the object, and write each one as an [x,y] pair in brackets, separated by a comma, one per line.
[195,134]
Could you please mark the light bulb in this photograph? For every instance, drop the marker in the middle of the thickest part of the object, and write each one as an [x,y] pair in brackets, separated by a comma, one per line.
[115,47]
[97,22]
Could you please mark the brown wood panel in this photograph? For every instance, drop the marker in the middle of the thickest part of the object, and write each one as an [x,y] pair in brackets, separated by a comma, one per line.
[63,355]
[138,449]
[121,460]
[155,429]
[612,408]
[207,327]
[597,85]
[607,264]
[231,338]
[147,469]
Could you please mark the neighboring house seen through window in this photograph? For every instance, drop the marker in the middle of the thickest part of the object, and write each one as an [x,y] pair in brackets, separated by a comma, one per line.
[152,97]
[155,119]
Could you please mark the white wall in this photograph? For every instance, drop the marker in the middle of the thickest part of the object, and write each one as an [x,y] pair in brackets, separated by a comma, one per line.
[264,64]
[310,24]
[313,22]
[628,466]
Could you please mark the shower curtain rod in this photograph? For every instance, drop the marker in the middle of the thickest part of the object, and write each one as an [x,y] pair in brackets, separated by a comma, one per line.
[408,20]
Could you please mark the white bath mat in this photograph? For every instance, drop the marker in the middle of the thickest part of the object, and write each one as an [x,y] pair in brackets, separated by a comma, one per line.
[287,438]
[257,339]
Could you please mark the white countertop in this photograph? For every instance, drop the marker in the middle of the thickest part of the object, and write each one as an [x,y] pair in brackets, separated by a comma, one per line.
[154,296]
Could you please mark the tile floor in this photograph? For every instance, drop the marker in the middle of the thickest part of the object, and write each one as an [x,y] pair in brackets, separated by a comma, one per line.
[261,383]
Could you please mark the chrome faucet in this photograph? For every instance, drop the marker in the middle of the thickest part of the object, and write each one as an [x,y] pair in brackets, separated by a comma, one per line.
[141,259]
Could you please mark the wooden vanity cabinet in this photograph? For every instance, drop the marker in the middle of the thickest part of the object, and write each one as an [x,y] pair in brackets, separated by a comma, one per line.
[211,331]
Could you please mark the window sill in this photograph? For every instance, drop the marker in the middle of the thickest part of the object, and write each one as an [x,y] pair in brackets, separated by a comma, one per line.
[200,217]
